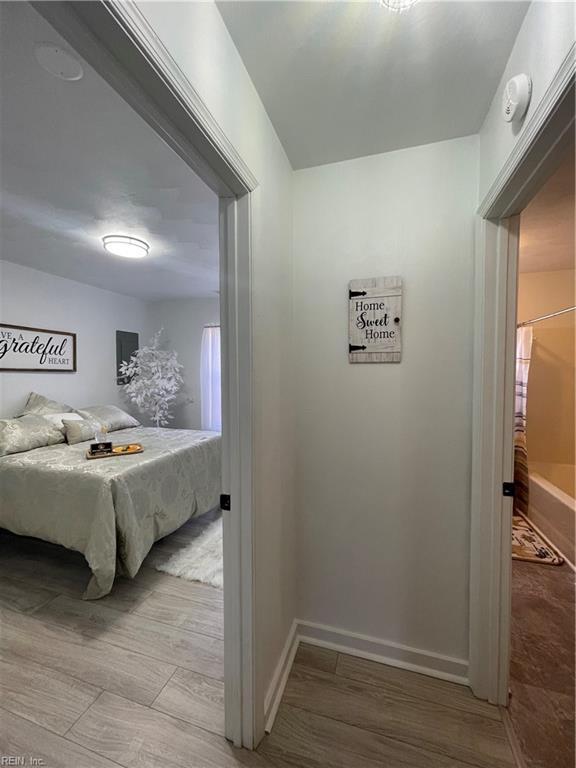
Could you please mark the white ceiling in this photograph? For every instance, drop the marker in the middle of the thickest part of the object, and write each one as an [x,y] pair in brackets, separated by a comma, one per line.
[547,224]
[78,163]
[346,79]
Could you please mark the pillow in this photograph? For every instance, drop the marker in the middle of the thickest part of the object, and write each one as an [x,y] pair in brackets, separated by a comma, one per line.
[109,416]
[27,432]
[41,405]
[57,418]
[79,430]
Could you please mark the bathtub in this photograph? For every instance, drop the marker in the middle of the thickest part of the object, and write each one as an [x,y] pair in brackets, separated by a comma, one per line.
[554,512]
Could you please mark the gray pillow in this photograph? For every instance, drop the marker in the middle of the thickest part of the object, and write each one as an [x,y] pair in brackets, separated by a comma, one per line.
[27,432]
[58,418]
[40,405]
[78,431]
[110,416]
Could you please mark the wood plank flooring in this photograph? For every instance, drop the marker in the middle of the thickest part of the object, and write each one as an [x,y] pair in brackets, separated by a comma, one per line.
[194,698]
[133,735]
[145,636]
[24,740]
[342,712]
[135,680]
[91,660]
[49,698]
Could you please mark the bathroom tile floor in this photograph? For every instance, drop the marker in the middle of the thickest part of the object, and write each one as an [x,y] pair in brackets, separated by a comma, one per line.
[542,666]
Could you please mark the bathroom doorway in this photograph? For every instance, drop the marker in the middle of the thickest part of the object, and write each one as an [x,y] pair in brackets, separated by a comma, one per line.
[542,649]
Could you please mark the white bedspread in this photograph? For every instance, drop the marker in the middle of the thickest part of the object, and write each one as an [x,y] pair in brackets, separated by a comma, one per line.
[113,509]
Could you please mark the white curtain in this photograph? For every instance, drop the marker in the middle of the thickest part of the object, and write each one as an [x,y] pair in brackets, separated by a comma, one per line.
[210,386]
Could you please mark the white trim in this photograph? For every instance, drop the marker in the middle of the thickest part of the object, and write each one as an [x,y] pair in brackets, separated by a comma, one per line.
[243,485]
[509,265]
[376,649]
[280,677]
[236,442]
[491,512]
[385,652]
[129,15]
[538,121]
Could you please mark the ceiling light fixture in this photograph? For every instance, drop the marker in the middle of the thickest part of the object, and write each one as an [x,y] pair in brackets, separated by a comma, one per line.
[398,5]
[128,247]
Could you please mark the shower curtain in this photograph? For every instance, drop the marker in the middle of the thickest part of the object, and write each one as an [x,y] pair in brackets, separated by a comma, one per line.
[523,354]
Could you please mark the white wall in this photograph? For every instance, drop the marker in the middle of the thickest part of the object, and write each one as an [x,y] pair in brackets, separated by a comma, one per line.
[197,38]
[33,298]
[543,42]
[183,321]
[383,450]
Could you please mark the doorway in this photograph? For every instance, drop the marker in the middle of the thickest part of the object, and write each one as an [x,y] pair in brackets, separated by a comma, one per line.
[538,151]
[542,680]
[117,45]
[536,155]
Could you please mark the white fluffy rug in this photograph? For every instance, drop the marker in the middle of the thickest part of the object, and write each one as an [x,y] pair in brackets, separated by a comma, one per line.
[197,560]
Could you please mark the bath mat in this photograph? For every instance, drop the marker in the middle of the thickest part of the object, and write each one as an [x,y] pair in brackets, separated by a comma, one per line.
[199,559]
[528,544]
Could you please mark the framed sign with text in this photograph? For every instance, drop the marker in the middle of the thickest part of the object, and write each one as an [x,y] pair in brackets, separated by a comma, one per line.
[36,350]
[375,320]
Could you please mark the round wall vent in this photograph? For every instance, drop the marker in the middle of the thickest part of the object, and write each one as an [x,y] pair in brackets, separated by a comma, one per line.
[59,62]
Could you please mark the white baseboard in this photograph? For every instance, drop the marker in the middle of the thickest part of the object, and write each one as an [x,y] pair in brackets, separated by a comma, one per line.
[385,652]
[280,677]
[375,649]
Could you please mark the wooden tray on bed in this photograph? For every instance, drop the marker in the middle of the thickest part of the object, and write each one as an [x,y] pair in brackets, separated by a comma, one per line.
[126,449]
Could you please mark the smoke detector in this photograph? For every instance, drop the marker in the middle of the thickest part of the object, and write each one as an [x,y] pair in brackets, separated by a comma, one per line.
[516,98]
[58,61]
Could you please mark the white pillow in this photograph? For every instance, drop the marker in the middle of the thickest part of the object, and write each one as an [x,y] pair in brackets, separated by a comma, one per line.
[58,418]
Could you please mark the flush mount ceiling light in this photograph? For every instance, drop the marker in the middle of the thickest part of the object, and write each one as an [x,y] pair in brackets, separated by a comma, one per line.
[128,247]
[398,5]
[57,61]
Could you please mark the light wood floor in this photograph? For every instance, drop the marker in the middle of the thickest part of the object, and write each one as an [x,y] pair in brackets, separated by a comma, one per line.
[343,712]
[135,680]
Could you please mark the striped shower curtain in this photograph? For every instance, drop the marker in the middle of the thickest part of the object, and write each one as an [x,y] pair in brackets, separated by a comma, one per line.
[523,354]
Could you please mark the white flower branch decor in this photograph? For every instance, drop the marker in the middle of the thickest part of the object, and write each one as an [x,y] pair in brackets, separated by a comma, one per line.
[155,379]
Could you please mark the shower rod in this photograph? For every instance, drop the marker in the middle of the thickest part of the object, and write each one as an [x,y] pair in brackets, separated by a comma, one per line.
[545,317]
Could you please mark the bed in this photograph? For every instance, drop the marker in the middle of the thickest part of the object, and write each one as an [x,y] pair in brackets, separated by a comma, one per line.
[112,510]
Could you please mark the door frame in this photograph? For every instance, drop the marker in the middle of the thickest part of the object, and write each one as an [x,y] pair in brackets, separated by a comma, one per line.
[115,38]
[543,139]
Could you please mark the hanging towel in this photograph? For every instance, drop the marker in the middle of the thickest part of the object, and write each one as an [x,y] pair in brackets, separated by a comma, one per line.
[523,354]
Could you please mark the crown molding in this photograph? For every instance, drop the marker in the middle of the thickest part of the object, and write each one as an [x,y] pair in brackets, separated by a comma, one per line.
[128,15]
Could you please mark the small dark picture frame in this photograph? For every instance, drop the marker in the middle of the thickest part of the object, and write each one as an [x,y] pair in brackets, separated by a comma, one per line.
[127,343]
